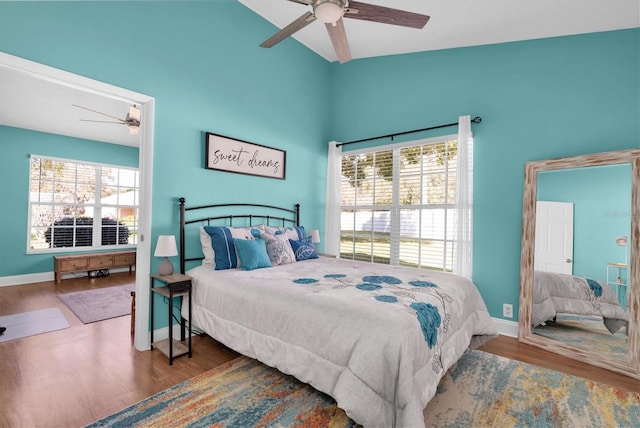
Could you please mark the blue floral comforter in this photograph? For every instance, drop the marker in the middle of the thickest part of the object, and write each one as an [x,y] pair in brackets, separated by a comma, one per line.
[376,338]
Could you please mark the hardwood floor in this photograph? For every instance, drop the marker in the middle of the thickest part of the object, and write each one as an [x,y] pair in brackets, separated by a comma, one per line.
[71,377]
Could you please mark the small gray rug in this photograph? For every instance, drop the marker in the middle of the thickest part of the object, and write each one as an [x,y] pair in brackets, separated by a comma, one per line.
[101,303]
[32,323]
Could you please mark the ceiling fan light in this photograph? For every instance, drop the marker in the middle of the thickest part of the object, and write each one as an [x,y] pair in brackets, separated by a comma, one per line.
[133,118]
[328,11]
[134,113]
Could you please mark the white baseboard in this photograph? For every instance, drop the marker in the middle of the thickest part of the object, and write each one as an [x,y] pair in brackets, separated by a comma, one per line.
[163,333]
[506,328]
[6,281]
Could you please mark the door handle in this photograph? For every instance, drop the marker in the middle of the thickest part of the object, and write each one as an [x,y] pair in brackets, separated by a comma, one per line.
[569,260]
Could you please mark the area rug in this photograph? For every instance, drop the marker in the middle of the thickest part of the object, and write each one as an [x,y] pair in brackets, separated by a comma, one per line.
[32,323]
[481,390]
[99,304]
[586,333]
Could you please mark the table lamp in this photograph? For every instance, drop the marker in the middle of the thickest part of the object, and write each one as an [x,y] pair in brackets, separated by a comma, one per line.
[622,242]
[166,247]
[315,236]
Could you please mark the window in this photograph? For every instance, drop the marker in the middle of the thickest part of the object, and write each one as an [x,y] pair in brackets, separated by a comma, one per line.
[398,204]
[74,205]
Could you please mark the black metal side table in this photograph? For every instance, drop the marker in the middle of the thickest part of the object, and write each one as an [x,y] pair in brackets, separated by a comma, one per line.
[176,285]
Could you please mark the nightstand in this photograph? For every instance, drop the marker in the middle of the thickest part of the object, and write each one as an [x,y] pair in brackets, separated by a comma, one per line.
[176,285]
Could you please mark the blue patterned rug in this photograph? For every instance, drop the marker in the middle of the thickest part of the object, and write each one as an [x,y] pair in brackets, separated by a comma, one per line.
[481,390]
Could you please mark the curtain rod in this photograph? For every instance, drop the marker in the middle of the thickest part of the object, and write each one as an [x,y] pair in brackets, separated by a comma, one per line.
[476,120]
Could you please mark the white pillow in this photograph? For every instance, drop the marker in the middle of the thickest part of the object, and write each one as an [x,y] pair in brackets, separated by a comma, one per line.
[296,233]
[207,249]
[279,249]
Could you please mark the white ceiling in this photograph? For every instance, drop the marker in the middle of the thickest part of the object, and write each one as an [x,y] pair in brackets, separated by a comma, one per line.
[27,101]
[455,23]
[31,102]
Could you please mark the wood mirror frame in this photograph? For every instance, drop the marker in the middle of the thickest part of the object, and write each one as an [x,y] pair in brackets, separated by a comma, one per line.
[631,367]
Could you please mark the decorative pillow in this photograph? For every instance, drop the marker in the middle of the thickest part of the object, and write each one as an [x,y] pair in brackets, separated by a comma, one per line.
[222,247]
[304,249]
[279,249]
[295,233]
[253,253]
[207,249]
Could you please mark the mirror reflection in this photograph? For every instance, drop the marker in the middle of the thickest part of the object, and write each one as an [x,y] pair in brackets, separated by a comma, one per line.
[581,258]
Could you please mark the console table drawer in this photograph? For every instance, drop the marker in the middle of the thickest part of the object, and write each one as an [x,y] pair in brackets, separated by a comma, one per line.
[100,262]
[72,265]
[125,259]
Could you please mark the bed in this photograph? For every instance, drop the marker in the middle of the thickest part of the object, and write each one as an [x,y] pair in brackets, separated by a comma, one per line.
[556,293]
[376,338]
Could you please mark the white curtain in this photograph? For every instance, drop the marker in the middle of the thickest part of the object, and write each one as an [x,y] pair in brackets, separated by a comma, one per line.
[332,214]
[464,199]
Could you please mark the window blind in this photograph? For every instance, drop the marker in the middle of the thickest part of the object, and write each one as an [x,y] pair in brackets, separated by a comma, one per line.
[81,205]
[398,205]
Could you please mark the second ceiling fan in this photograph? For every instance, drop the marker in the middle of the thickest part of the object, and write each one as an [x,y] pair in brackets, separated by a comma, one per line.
[331,13]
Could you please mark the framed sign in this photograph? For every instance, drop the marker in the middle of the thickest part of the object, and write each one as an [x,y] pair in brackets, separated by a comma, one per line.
[231,155]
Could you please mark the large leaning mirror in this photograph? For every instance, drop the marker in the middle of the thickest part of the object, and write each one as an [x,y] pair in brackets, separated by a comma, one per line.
[580,270]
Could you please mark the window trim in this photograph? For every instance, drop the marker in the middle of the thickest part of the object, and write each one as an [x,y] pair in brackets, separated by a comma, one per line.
[98,209]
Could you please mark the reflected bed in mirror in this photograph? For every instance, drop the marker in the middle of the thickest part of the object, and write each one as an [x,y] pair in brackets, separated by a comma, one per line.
[579,277]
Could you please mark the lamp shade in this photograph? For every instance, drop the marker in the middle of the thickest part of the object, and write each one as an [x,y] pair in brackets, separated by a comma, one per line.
[315,235]
[166,246]
[621,241]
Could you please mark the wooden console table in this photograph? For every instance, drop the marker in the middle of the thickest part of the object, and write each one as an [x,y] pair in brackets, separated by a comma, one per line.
[92,261]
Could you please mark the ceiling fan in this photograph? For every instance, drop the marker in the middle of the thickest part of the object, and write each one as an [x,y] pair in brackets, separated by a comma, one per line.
[331,13]
[132,119]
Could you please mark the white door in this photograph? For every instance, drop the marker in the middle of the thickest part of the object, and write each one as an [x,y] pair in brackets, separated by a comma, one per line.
[554,237]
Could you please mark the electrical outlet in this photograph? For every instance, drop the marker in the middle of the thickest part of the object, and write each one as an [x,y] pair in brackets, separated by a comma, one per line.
[507,310]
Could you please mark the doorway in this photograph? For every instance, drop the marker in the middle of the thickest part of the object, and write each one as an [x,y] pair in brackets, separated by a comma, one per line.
[145,165]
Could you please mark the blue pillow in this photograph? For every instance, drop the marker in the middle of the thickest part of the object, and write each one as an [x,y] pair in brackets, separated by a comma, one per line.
[223,248]
[304,249]
[253,253]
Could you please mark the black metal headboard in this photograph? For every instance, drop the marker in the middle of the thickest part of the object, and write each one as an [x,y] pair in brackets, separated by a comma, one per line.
[207,214]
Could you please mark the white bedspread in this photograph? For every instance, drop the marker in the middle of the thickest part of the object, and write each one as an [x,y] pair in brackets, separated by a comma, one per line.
[557,293]
[347,328]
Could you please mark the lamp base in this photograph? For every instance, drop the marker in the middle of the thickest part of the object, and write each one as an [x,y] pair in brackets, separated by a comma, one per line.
[165,268]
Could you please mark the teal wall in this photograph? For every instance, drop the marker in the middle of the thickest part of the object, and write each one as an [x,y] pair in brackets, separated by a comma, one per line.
[201,61]
[601,198]
[203,64]
[17,145]
[538,99]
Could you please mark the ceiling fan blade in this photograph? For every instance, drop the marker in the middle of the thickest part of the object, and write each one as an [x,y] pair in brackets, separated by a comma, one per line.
[339,40]
[296,25]
[101,121]
[99,112]
[385,15]
[305,2]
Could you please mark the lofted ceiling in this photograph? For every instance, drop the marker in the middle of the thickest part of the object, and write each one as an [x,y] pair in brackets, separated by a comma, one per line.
[28,101]
[454,23]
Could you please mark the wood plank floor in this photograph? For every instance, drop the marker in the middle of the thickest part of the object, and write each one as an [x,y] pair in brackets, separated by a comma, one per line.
[71,377]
